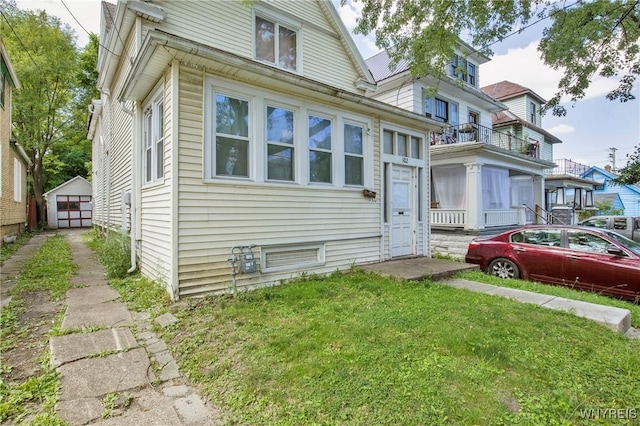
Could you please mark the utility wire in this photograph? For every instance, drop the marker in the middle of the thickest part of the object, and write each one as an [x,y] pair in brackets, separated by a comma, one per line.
[85,30]
[19,40]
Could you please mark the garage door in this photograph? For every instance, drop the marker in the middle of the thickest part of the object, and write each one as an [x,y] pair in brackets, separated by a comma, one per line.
[74,211]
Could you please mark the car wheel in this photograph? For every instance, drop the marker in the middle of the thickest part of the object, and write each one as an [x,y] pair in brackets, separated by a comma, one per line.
[504,268]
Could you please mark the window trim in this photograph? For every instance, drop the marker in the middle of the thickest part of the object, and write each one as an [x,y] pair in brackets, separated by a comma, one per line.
[294,146]
[153,110]
[362,155]
[277,20]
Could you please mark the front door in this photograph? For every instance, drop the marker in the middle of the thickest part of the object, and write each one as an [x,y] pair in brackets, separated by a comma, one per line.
[402,214]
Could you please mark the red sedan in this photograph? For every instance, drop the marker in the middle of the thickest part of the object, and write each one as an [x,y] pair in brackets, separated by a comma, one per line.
[589,259]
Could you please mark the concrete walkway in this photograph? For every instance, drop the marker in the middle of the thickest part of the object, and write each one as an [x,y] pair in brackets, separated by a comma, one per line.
[121,358]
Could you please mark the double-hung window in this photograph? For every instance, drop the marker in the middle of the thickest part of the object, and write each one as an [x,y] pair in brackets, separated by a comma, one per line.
[276,43]
[532,112]
[320,154]
[153,140]
[353,155]
[280,144]
[231,156]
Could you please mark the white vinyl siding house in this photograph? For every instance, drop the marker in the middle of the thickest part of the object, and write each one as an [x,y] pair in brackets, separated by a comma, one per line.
[283,155]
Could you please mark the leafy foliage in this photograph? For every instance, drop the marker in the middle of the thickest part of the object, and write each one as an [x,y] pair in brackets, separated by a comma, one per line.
[585,39]
[50,109]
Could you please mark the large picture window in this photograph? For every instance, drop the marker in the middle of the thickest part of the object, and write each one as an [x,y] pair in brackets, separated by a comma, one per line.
[353,155]
[280,144]
[276,43]
[320,155]
[153,139]
[232,136]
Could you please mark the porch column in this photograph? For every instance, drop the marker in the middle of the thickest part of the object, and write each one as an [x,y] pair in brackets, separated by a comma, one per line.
[475,218]
[539,196]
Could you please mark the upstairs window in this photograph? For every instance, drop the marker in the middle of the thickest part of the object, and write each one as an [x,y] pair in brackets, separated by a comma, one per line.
[276,44]
[153,139]
[532,112]
[463,70]
[441,110]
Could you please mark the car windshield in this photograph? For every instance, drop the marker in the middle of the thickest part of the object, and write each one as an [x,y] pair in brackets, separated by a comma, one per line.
[630,244]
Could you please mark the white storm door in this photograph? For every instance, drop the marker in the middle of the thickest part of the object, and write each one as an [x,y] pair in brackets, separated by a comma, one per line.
[402,214]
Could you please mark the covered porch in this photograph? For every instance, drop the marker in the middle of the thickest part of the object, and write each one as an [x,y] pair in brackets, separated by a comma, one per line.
[481,186]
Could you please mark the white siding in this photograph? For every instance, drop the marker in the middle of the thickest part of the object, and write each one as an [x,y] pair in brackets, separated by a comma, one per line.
[156,217]
[228,25]
[215,216]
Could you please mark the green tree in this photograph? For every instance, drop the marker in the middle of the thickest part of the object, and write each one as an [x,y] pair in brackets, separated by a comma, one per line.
[630,174]
[44,55]
[72,156]
[584,38]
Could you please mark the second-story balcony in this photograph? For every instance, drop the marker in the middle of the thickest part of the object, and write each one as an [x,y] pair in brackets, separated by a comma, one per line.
[476,133]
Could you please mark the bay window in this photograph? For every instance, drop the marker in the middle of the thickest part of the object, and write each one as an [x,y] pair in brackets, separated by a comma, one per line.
[231,136]
[353,155]
[320,155]
[280,144]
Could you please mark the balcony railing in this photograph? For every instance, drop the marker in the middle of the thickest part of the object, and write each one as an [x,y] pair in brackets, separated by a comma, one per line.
[472,132]
[568,167]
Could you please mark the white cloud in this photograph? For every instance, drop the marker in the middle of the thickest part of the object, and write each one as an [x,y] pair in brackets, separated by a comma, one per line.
[525,67]
[561,129]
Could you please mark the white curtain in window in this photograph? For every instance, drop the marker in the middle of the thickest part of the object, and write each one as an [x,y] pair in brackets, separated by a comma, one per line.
[522,193]
[450,186]
[495,188]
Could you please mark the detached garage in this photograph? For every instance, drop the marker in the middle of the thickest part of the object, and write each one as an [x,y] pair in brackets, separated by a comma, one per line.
[69,205]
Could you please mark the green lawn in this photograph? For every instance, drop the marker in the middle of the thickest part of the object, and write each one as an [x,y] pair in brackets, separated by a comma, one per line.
[360,349]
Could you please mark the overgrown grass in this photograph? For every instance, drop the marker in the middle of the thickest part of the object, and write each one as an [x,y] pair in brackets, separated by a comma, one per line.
[7,250]
[113,250]
[362,349]
[50,269]
[554,290]
[139,293]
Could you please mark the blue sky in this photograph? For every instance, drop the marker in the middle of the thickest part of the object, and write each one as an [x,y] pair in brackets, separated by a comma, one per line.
[592,126]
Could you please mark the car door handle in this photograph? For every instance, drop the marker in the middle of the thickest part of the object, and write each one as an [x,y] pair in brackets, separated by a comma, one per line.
[519,249]
[573,256]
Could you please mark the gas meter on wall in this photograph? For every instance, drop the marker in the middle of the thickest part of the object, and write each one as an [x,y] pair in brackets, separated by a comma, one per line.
[247,262]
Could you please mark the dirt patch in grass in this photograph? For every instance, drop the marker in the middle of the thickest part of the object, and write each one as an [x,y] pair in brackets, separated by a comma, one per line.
[37,316]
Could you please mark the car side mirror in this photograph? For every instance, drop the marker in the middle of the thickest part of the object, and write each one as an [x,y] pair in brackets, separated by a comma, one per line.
[617,251]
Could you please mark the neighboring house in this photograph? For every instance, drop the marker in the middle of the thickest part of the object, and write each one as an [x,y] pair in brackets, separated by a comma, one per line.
[629,194]
[523,120]
[480,178]
[13,159]
[69,204]
[226,124]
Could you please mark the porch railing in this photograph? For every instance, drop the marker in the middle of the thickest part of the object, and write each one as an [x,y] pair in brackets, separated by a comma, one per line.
[472,132]
[455,218]
[500,217]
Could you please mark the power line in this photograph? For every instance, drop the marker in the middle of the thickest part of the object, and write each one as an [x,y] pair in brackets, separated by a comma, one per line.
[85,30]
[19,40]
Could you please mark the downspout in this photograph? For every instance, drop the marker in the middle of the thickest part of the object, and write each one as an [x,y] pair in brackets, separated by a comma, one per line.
[134,159]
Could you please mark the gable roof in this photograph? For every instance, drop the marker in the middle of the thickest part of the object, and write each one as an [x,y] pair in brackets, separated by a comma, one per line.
[69,182]
[610,176]
[507,90]
[379,66]
[505,118]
